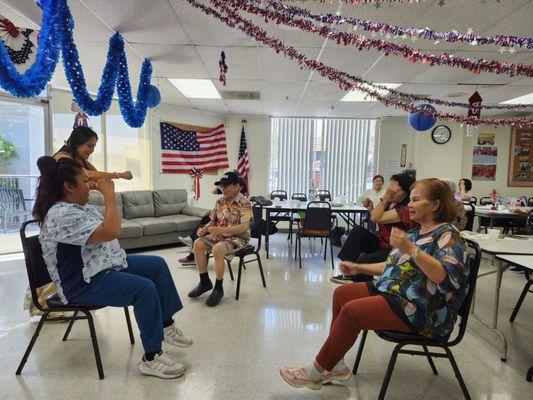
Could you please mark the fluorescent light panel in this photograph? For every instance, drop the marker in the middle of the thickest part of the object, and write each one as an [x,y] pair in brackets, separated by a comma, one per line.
[357,95]
[196,88]
[526,99]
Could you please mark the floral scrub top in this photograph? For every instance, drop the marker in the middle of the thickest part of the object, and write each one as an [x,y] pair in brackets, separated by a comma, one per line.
[70,260]
[232,212]
[428,308]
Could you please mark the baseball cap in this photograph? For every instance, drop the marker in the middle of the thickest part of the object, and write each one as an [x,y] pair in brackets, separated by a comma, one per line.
[229,178]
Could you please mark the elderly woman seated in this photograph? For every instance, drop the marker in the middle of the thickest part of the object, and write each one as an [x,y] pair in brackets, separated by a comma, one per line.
[420,288]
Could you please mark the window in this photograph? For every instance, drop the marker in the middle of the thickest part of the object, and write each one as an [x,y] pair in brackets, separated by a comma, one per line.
[334,154]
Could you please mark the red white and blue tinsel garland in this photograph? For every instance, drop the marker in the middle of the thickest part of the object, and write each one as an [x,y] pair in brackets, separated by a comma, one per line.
[397,32]
[56,34]
[16,40]
[388,48]
[344,80]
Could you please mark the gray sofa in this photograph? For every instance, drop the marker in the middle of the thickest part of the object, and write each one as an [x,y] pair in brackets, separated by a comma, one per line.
[152,218]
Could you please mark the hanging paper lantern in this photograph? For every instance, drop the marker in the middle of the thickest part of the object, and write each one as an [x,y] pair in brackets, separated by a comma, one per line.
[420,121]
[471,130]
[154,97]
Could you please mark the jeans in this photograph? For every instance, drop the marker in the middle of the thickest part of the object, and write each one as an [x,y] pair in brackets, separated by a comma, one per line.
[147,286]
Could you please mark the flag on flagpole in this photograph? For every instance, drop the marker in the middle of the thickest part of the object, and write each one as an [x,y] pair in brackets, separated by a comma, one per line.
[244,164]
[182,149]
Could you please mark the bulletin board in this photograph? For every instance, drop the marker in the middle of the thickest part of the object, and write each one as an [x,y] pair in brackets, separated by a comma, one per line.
[521,158]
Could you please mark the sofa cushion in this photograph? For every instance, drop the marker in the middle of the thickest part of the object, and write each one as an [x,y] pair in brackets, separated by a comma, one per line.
[169,201]
[130,229]
[138,204]
[182,222]
[96,199]
[155,226]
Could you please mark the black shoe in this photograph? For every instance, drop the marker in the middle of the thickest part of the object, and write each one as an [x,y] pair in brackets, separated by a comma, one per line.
[215,297]
[341,279]
[200,289]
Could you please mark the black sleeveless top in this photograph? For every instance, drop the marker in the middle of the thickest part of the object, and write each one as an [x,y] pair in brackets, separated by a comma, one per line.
[66,150]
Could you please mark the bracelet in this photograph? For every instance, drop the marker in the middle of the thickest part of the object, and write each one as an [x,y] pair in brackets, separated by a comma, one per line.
[416,253]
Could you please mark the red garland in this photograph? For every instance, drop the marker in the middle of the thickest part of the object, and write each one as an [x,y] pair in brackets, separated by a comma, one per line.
[344,80]
[388,48]
[196,175]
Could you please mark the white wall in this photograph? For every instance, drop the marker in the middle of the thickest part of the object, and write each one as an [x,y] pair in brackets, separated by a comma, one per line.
[257,135]
[450,160]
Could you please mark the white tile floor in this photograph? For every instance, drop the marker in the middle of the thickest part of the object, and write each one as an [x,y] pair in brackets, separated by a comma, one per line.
[239,345]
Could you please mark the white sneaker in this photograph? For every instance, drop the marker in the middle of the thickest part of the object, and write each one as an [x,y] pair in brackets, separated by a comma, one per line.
[174,336]
[162,367]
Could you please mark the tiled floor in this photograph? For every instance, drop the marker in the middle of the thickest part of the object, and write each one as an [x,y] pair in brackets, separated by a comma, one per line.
[239,345]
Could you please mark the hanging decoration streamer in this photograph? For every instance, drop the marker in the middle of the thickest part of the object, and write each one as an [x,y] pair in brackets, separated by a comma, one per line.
[17,41]
[388,48]
[56,34]
[196,175]
[475,101]
[344,80]
[223,68]
[398,32]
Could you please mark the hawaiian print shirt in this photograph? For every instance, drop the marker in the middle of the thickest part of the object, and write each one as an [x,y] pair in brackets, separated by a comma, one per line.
[232,212]
[73,224]
[430,308]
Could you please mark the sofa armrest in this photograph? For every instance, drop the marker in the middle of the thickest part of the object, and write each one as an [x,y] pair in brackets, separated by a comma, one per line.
[195,211]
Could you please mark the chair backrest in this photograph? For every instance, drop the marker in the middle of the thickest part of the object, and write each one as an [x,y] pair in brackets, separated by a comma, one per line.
[529,225]
[323,195]
[280,194]
[257,210]
[474,259]
[473,200]
[484,201]
[470,215]
[530,202]
[12,199]
[299,196]
[35,266]
[317,216]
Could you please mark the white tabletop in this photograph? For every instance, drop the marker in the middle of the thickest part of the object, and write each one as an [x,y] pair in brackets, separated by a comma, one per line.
[488,212]
[501,246]
[523,261]
[302,205]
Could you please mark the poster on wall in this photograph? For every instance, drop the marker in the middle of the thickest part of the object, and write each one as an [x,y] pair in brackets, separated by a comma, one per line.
[521,158]
[484,155]
[485,139]
[484,172]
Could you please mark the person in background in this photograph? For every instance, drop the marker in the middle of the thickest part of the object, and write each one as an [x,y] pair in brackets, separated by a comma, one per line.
[464,193]
[461,219]
[419,288]
[189,240]
[227,232]
[79,146]
[85,261]
[369,198]
[362,246]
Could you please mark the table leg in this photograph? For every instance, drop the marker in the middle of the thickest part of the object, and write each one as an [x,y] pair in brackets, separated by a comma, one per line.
[267,236]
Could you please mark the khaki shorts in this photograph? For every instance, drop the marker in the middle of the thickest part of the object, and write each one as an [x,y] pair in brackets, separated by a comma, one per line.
[228,246]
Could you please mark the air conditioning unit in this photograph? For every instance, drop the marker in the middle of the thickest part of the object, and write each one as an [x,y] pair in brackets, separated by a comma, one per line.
[240,95]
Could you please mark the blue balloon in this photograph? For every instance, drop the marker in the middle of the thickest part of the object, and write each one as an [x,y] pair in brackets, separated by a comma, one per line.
[419,121]
[154,97]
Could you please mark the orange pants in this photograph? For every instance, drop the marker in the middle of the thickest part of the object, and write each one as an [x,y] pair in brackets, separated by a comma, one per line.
[355,309]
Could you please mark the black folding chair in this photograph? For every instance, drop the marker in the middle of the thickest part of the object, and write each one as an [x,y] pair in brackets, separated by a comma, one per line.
[473,200]
[317,223]
[38,276]
[470,216]
[525,291]
[485,201]
[530,202]
[323,195]
[406,339]
[281,216]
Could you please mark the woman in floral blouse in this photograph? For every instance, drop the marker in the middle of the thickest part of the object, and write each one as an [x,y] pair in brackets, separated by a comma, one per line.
[420,288]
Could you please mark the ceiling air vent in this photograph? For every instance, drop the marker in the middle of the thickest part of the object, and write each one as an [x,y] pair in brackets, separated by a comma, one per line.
[240,95]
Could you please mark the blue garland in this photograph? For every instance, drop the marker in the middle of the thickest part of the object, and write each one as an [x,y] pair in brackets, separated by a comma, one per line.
[33,81]
[56,34]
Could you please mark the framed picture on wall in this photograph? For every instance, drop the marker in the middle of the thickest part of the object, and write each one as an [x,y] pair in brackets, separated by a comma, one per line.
[521,158]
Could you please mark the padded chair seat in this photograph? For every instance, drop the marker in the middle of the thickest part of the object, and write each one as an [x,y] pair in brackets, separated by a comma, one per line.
[311,232]
[398,337]
[245,251]
[155,226]
[130,229]
[53,301]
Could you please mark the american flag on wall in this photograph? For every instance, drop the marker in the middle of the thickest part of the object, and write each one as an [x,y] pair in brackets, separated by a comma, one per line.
[243,163]
[183,149]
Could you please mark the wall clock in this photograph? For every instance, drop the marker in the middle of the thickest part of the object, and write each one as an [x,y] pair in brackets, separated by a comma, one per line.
[441,134]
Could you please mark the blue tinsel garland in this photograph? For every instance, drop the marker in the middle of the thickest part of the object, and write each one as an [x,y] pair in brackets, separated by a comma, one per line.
[56,33]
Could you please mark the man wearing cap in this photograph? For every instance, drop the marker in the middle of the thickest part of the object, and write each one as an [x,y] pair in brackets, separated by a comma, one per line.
[228,231]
